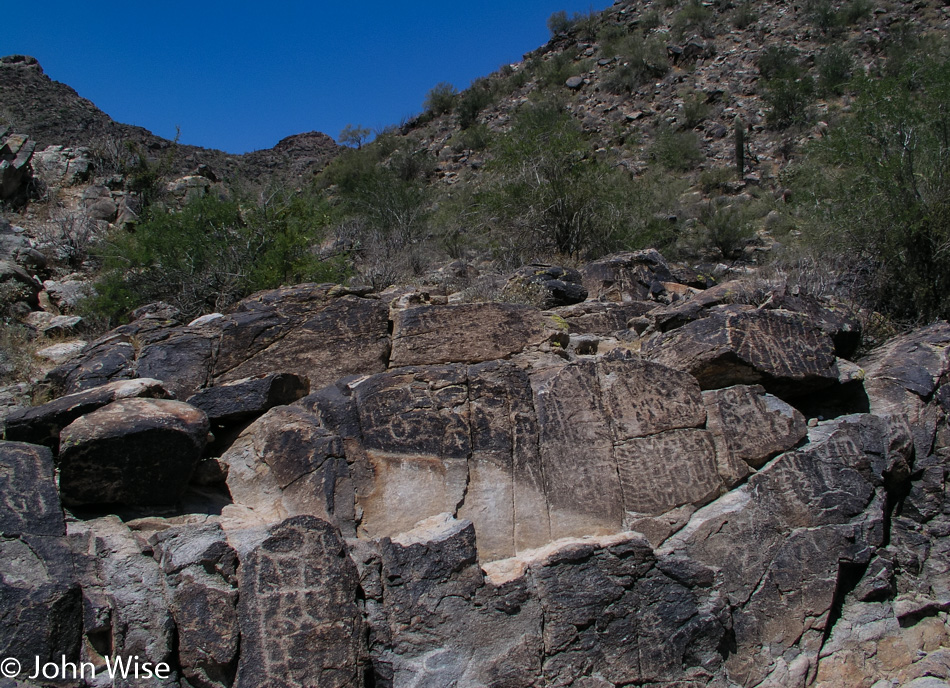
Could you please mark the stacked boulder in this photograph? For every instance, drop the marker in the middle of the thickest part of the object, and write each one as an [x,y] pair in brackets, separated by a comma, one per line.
[706,492]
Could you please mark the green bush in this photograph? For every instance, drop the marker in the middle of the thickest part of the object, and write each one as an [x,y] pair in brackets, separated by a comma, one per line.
[695,109]
[473,100]
[440,100]
[744,16]
[549,195]
[779,62]
[643,60]
[876,191]
[677,151]
[559,23]
[789,102]
[694,17]
[474,138]
[553,72]
[834,70]
[728,228]
[212,253]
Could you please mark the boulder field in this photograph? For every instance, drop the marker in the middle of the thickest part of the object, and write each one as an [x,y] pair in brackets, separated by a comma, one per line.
[656,486]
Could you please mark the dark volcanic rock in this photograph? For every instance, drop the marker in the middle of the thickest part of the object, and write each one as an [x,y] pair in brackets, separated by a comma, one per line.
[30,502]
[563,286]
[42,424]
[133,451]
[634,276]
[200,571]
[301,581]
[786,353]
[40,597]
[252,396]
[464,333]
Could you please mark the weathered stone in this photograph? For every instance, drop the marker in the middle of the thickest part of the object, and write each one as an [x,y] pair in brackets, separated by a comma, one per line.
[59,166]
[29,502]
[750,427]
[783,351]
[624,277]
[602,317]
[562,286]
[61,353]
[126,605]
[300,581]
[42,424]
[902,375]
[302,329]
[200,569]
[241,399]
[778,542]
[433,588]
[98,204]
[132,451]
[286,464]
[183,361]
[465,333]
[40,601]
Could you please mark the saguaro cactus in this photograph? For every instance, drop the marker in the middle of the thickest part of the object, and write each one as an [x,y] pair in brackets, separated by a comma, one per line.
[740,145]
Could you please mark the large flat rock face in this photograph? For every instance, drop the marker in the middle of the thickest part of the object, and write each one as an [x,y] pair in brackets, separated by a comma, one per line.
[529,456]
[465,333]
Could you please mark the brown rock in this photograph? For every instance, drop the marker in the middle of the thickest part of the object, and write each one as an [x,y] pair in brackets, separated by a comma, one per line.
[783,351]
[300,581]
[42,424]
[465,333]
[132,451]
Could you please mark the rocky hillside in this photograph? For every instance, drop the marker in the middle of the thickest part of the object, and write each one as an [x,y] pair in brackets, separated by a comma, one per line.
[463,466]
[53,114]
[653,486]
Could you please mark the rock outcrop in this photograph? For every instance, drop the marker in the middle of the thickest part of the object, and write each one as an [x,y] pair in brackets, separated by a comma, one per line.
[494,503]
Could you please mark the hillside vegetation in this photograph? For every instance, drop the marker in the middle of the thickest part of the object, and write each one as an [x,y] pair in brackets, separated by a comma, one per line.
[810,141]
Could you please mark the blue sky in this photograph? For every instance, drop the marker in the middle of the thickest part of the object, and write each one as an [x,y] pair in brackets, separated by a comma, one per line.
[240,76]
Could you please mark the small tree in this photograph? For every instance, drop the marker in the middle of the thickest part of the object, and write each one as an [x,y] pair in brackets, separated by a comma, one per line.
[559,23]
[353,136]
[441,99]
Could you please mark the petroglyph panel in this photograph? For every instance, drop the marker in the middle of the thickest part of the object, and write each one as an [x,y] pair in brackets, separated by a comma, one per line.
[298,612]
[664,471]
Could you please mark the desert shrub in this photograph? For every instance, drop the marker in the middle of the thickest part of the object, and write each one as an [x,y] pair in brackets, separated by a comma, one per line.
[650,20]
[474,138]
[212,253]
[17,362]
[559,23]
[789,102]
[727,227]
[549,195]
[642,60]
[472,101]
[677,151]
[354,136]
[834,69]
[716,178]
[441,99]
[693,17]
[779,62]
[695,109]
[876,191]
[743,16]
[558,68]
